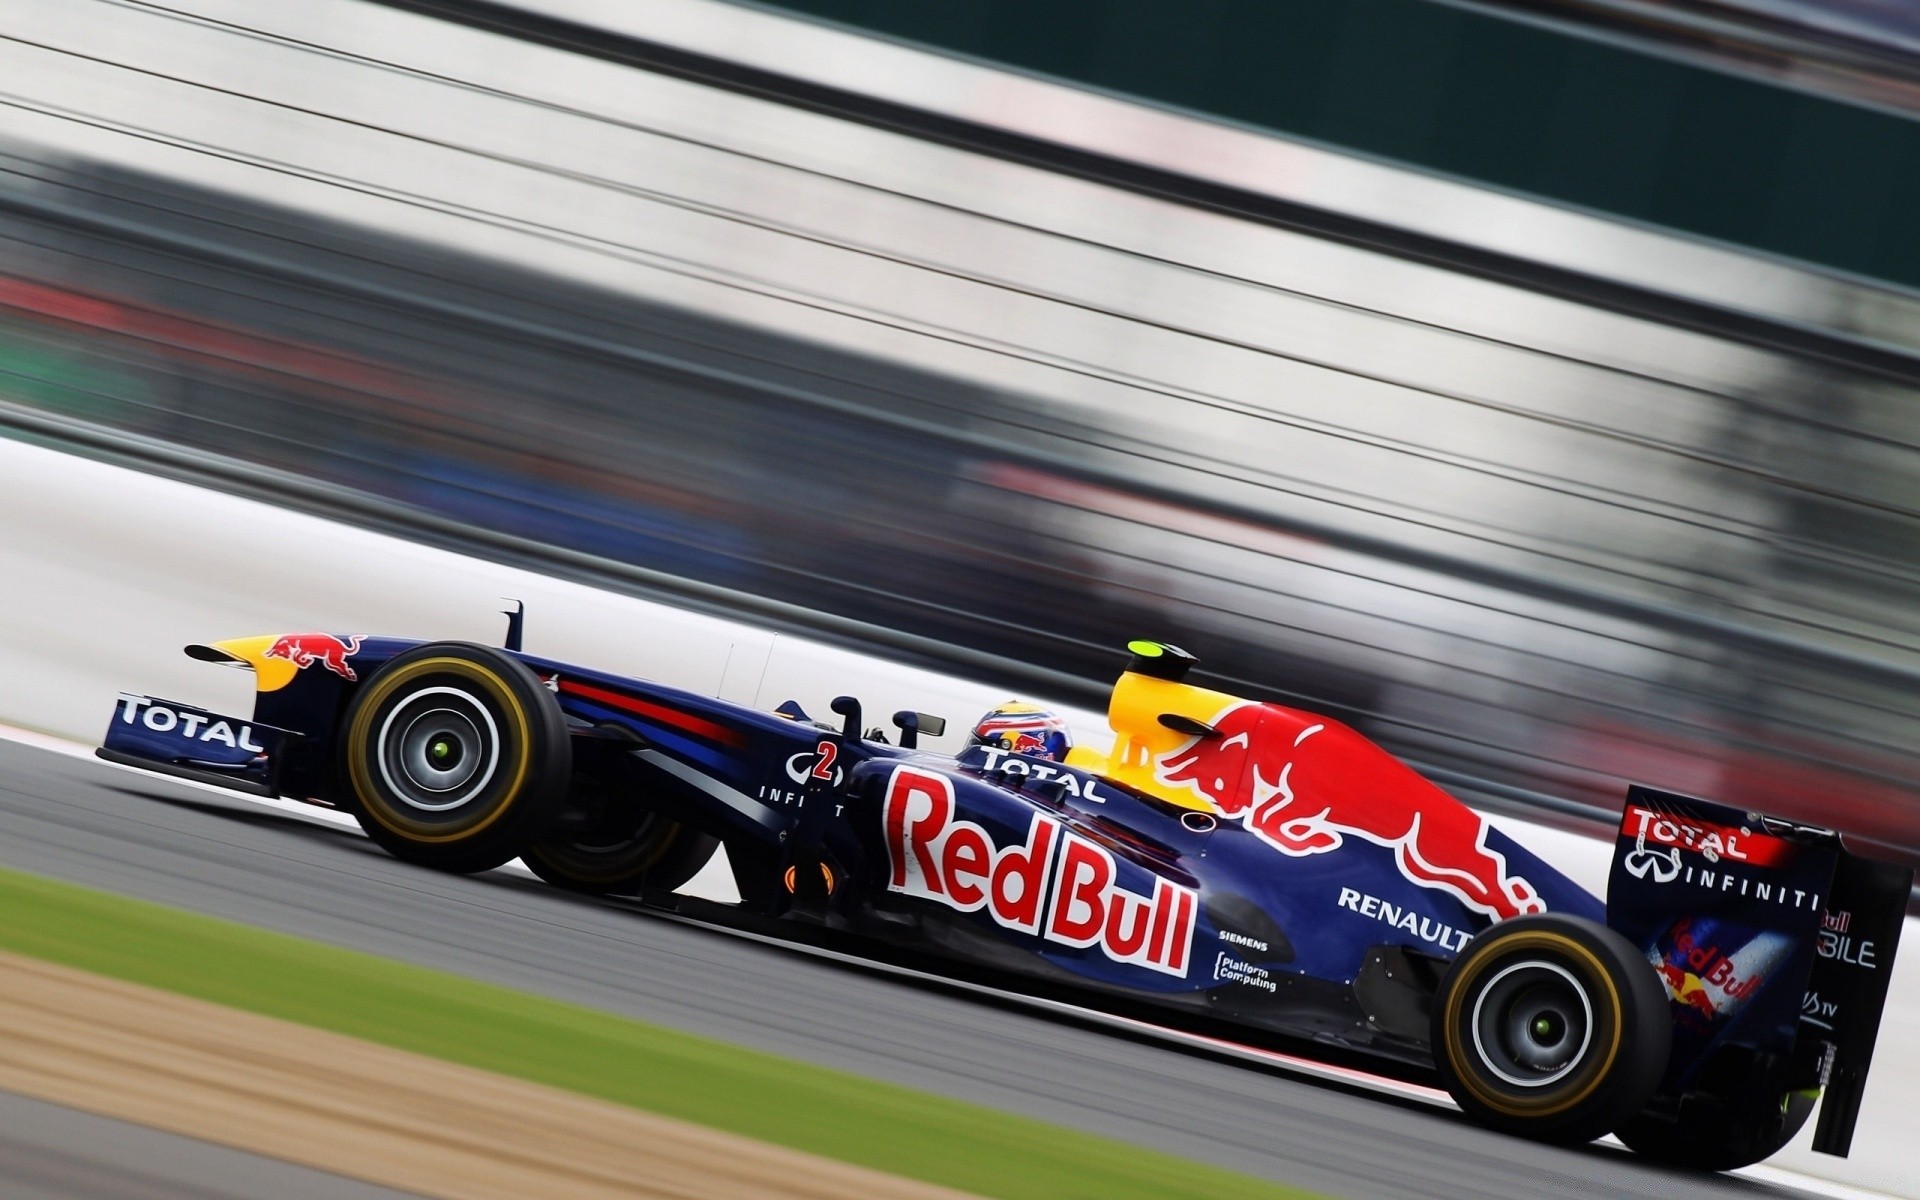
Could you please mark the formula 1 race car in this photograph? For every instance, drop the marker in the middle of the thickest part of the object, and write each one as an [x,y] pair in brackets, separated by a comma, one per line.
[1227,864]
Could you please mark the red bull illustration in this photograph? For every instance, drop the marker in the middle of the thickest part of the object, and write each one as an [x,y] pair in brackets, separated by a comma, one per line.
[1303,784]
[305,649]
[1706,977]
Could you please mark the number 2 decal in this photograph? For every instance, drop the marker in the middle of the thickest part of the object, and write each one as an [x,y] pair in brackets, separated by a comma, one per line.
[823,769]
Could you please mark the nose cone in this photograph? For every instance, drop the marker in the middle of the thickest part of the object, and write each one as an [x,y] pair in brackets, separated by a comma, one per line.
[270,674]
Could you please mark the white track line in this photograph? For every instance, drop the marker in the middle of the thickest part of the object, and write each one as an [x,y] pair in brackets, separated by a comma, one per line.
[1289,1063]
[315,814]
[1781,1177]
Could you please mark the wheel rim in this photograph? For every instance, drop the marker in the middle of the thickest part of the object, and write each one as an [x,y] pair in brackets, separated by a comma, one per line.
[438,749]
[1532,1024]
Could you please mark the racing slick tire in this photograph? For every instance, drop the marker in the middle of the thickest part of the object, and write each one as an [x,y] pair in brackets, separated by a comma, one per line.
[1720,1138]
[1551,1027]
[618,846]
[454,756]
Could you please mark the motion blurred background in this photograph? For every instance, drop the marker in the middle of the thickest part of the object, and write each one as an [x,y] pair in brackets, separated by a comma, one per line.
[1531,384]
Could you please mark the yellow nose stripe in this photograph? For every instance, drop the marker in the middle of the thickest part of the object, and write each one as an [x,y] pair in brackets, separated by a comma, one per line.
[270,674]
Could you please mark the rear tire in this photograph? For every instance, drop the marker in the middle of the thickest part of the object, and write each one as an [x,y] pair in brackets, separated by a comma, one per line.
[454,756]
[1720,1138]
[1551,1027]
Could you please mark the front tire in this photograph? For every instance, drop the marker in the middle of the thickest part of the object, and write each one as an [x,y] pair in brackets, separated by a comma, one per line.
[455,757]
[1551,1027]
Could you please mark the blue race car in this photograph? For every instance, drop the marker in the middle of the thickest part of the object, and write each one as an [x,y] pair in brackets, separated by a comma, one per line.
[1227,864]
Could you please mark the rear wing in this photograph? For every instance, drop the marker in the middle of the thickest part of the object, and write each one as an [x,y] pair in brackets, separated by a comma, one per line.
[1774,941]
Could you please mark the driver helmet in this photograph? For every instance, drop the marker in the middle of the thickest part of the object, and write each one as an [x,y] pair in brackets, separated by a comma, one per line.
[1024,729]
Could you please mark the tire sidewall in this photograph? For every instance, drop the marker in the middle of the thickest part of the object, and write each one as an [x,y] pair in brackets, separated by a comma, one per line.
[518,731]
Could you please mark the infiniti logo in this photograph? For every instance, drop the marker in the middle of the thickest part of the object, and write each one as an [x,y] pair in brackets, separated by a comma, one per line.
[801,764]
[1664,866]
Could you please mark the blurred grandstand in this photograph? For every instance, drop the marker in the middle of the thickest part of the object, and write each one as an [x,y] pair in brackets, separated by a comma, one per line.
[1867,50]
[1539,544]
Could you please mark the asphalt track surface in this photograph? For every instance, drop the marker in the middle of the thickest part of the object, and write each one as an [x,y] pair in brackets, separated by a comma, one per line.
[52,1153]
[112,829]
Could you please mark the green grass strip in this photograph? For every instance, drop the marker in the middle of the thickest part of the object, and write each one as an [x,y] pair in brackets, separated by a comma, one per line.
[822,1111]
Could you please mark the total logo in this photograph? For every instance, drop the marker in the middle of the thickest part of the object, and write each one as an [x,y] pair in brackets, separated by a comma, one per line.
[1055,885]
[1071,783]
[198,727]
[1710,841]
[1730,846]
[1723,847]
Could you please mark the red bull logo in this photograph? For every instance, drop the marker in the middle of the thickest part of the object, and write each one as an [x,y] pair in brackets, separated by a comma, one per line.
[1023,729]
[1700,976]
[1055,885]
[1023,743]
[305,649]
[1687,989]
[1304,785]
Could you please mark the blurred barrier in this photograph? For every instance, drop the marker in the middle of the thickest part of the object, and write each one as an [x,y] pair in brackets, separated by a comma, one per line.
[488,289]
[1864,50]
[217,565]
[1232,170]
[1543,107]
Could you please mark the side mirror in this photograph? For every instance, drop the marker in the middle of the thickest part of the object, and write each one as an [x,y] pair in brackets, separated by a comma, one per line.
[912,724]
[849,708]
